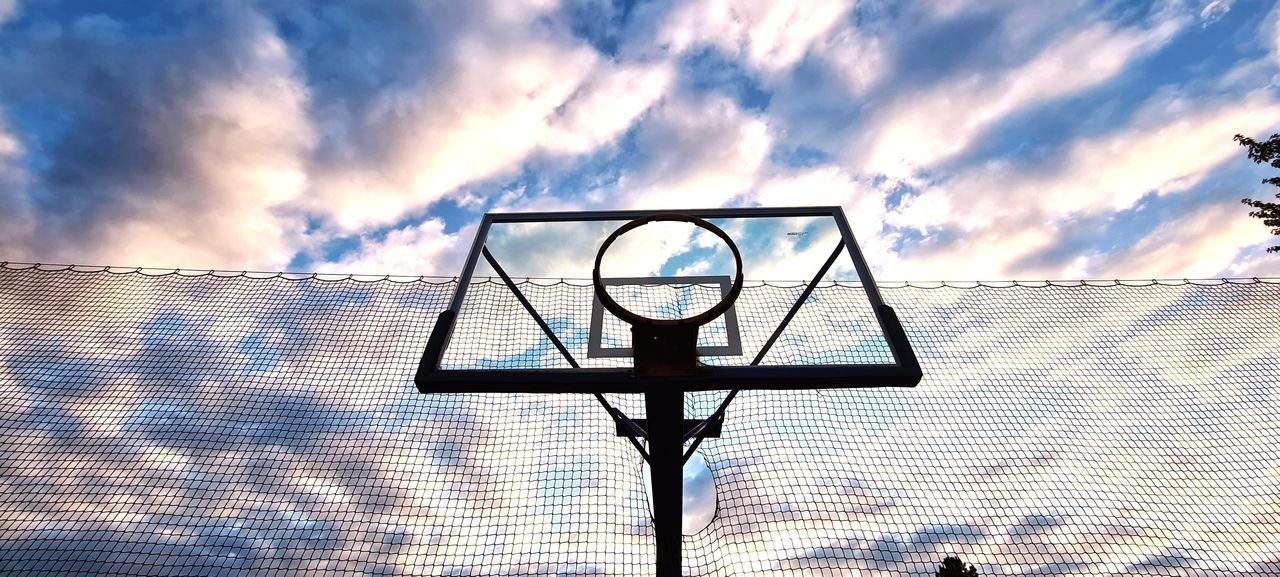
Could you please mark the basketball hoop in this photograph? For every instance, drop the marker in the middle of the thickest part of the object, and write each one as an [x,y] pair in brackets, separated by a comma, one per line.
[665,356]
[666,347]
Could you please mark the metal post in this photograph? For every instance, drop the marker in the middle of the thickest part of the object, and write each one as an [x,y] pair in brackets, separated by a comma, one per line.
[665,411]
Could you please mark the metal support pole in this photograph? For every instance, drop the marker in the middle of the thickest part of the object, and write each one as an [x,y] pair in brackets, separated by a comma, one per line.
[665,411]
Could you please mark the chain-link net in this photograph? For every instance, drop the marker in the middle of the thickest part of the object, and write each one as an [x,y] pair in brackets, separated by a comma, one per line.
[181,424]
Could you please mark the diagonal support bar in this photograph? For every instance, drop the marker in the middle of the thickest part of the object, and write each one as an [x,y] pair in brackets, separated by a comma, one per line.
[712,431]
[618,418]
[696,432]
[528,307]
[622,421]
[808,290]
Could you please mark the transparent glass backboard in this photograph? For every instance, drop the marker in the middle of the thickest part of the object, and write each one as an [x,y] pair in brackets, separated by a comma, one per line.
[525,307]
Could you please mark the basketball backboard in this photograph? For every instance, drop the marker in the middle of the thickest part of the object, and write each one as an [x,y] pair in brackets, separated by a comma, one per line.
[525,316]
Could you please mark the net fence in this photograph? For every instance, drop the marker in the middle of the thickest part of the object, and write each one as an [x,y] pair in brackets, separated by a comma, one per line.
[206,424]
[834,326]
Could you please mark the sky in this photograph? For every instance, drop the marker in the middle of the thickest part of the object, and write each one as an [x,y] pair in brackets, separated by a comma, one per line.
[964,139]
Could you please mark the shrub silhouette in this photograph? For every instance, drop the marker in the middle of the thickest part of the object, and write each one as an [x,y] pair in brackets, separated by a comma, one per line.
[954,567]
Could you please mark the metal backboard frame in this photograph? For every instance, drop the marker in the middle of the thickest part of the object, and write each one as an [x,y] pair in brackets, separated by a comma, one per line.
[596,348]
[430,378]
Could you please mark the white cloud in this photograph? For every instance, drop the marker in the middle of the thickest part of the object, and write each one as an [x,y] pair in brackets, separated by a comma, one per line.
[1270,32]
[1005,213]
[227,131]
[1169,148]
[827,185]
[524,250]
[920,130]
[1255,261]
[982,255]
[1249,75]
[568,249]
[423,249]
[830,185]
[477,119]
[1019,22]
[1173,147]
[1201,244]
[497,102]
[859,60]
[506,86]
[247,139]
[10,148]
[606,105]
[700,153]
[769,35]
[182,157]
[245,143]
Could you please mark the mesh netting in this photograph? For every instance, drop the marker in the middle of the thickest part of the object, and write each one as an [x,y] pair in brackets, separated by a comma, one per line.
[220,425]
[835,326]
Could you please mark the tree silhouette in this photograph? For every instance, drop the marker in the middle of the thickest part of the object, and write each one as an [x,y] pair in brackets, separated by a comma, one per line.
[954,567]
[1266,152]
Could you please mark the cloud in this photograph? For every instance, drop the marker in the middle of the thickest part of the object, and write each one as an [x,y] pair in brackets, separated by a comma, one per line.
[1214,10]
[10,148]
[1201,244]
[917,131]
[280,147]
[860,61]
[568,249]
[504,90]
[1269,33]
[17,226]
[1254,262]
[887,59]
[225,136]
[830,185]
[180,148]
[698,152]
[606,105]
[477,119]
[8,10]
[422,249]
[769,36]
[1250,75]
[1171,146]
